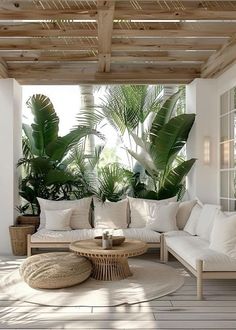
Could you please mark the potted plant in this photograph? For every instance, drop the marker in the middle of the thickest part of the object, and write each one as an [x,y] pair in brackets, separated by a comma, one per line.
[45,166]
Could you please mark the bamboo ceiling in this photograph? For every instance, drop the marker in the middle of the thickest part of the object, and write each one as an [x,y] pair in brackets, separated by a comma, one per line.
[139,41]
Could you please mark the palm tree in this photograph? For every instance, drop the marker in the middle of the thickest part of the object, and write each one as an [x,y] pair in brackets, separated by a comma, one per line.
[155,135]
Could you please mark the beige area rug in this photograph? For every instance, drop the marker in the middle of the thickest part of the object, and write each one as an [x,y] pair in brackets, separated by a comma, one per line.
[150,280]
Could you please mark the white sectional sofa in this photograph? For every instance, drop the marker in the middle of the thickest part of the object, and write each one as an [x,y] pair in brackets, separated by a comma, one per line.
[129,216]
[206,248]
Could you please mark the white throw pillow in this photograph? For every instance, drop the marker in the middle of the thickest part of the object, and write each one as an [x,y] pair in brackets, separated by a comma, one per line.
[162,218]
[223,235]
[58,220]
[110,214]
[191,224]
[206,220]
[139,210]
[80,211]
[184,211]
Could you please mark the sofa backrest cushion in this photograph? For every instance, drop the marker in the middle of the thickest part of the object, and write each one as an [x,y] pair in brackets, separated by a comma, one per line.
[140,209]
[110,214]
[206,220]
[184,211]
[162,218]
[223,235]
[58,220]
[191,224]
[81,210]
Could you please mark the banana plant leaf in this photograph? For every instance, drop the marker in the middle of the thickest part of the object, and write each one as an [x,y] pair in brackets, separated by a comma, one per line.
[170,140]
[173,180]
[164,114]
[144,160]
[58,149]
[46,122]
[31,143]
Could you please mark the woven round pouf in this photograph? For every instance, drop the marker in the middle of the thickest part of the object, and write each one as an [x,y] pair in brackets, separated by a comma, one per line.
[55,270]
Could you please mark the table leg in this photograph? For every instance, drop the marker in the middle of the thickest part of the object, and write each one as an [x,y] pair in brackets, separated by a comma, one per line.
[110,269]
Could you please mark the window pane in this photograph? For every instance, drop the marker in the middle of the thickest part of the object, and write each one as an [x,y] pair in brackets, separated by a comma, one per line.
[224,101]
[224,204]
[232,180]
[232,205]
[224,188]
[224,128]
[233,98]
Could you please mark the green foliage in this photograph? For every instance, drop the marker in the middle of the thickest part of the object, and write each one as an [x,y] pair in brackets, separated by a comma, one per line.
[46,156]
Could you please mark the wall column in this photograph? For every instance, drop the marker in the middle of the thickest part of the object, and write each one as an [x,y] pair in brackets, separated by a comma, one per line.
[10,146]
[203,180]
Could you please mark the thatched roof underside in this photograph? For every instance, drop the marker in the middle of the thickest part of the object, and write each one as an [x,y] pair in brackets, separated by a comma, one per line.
[73,42]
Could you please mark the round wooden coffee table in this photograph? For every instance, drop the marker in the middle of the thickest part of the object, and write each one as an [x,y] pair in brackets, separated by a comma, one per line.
[109,265]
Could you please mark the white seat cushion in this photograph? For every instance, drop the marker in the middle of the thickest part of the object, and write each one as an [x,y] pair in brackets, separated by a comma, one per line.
[206,220]
[80,211]
[46,236]
[58,220]
[223,235]
[140,210]
[110,214]
[162,218]
[184,211]
[193,248]
[192,222]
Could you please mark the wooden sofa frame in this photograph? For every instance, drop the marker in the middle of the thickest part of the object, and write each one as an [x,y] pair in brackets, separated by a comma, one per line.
[64,245]
[199,273]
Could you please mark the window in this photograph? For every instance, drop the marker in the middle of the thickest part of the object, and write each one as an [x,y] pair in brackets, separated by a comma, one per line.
[228,150]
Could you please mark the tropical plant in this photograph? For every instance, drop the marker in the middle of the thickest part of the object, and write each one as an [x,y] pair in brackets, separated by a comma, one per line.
[156,136]
[46,156]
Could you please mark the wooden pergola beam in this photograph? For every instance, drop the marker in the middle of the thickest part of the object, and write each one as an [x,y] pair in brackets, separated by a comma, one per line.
[154,12]
[106,11]
[220,61]
[27,74]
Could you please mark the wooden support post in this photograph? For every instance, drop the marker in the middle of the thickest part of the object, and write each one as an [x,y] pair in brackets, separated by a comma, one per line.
[106,11]
[199,267]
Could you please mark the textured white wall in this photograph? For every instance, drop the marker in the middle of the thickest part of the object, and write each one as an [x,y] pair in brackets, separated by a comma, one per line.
[202,100]
[10,146]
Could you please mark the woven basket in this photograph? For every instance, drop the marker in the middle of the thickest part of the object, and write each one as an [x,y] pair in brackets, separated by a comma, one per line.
[28,220]
[18,235]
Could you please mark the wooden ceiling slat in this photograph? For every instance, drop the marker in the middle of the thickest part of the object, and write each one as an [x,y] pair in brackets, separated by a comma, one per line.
[98,41]
[220,61]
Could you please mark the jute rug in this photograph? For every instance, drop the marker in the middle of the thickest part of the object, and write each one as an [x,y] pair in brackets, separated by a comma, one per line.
[150,280]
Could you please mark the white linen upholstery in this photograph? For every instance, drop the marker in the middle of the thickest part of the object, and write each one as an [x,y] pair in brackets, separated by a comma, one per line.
[80,214]
[193,248]
[184,211]
[110,214]
[191,224]
[58,220]
[206,220]
[139,210]
[162,218]
[45,235]
[223,235]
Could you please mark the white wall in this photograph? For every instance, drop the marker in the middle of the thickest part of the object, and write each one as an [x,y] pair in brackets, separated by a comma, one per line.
[203,98]
[10,146]
[202,181]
